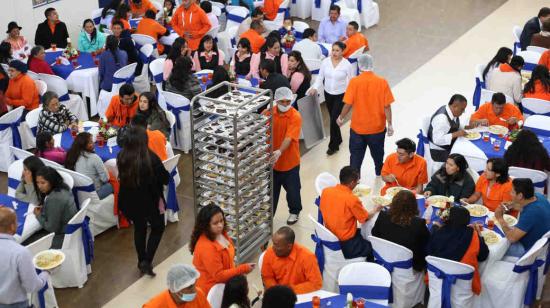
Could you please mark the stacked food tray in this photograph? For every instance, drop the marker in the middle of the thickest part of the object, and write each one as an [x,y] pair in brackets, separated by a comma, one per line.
[231,169]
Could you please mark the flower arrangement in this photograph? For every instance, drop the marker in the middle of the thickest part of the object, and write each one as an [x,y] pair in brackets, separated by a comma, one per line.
[106,130]
[444,213]
[167,19]
[289,39]
[70,52]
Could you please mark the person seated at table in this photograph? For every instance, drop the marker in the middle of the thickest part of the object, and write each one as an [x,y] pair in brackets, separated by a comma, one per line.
[45,148]
[56,206]
[206,6]
[123,107]
[257,14]
[494,186]
[507,79]
[5,53]
[36,62]
[126,43]
[27,190]
[467,246]
[272,51]
[404,168]
[504,55]
[16,40]
[21,90]
[4,81]
[153,113]
[527,152]
[212,249]
[279,297]
[355,40]
[191,31]
[208,56]
[235,294]
[122,15]
[149,26]
[271,8]
[452,179]
[82,159]
[308,46]
[139,8]
[108,13]
[533,26]
[51,31]
[89,39]
[542,39]
[110,61]
[182,81]
[497,112]
[182,290]
[298,75]
[55,117]
[401,225]
[273,80]
[169,8]
[533,221]
[254,35]
[156,141]
[287,28]
[539,84]
[240,63]
[332,28]
[220,75]
[285,254]
[341,211]
[179,49]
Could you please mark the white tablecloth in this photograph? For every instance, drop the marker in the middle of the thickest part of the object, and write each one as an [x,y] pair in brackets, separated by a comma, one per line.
[304,298]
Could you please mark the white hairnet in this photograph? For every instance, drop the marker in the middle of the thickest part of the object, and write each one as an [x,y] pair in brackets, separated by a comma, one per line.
[283,93]
[181,276]
[365,62]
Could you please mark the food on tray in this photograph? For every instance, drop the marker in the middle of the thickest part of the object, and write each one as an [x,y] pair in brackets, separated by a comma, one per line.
[472,135]
[477,210]
[498,130]
[48,259]
[361,190]
[438,201]
[379,200]
[510,220]
[490,237]
[392,191]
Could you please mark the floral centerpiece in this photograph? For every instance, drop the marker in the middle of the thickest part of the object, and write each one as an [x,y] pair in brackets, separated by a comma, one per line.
[165,17]
[444,213]
[106,130]
[289,39]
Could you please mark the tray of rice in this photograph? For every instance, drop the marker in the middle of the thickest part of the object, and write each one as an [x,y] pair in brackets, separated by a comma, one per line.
[498,129]
[477,210]
[438,201]
[490,237]
[472,135]
[379,200]
[392,191]
[361,190]
[48,259]
[510,220]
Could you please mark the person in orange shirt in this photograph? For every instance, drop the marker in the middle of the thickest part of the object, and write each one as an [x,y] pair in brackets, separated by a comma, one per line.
[254,35]
[271,8]
[212,249]
[498,112]
[287,124]
[149,26]
[371,98]
[494,186]
[290,264]
[355,39]
[404,168]
[21,88]
[182,292]
[123,107]
[156,141]
[545,59]
[191,23]
[341,211]
[539,84]
[140,7]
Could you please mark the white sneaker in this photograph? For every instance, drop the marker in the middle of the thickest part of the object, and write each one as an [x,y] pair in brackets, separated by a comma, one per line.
[292,219]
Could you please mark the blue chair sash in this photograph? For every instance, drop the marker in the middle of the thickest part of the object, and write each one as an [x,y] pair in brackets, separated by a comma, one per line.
[158,78]
[319,214]
[360,6]
[318,4]
[352,60]
[129,80]
[314,72]
[144,58]
[172,202]
[547,262]
[531,291]
[390,266]
[531,112]
[34,130]
[76,189]
[324,50]
[529,66]
[538,131]
[319,253]
[41,293]
[448,281]
[13,183]
[87,237]
[236,18]
[367,292]
[477,92]
[15,136]
[517,46]
[422,140]
[233,42]
[176,111]
[97,20]
[65,97]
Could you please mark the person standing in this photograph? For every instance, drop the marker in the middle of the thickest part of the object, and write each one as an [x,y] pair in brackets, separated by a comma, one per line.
[191,23]
[141,198]
[51,31]
[371,97]
[332,28]
[271,8]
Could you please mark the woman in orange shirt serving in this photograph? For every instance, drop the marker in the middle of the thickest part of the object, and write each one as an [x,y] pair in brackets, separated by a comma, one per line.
[212,249]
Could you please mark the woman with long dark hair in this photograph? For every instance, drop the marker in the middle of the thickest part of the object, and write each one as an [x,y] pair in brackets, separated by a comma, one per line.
[182,81]
[5,53]
[452,179]
[208,56]
[507,79]
[142,178]
[109,62]
[240,63]
[212,249]
[45,148]
[82,159]
[271,50]
[539,84]
[298,74]
[37,63]
[235,294]
[26,189]
[494,186]
[89,38]
[527,152]
[156,117]
[220,75]
[179,49]
[56,205]
[504,54]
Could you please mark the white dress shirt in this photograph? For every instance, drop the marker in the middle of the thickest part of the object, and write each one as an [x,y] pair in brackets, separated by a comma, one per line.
[336,79]
[309,49]
[441,127]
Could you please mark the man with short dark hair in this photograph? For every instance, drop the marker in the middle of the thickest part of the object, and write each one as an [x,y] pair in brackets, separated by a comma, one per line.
[405,168]
[533,26]
[355,39]
[534,218]
[138,8]
[332,28]
[279,297]
[273,80]
[254,35]
[150,27]
[51,31]
[256,15]
[123,107]
[308,46]
[497,112]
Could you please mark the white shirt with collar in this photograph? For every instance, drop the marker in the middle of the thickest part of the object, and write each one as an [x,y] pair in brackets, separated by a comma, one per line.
[441,127]
[309,49]
[336,79]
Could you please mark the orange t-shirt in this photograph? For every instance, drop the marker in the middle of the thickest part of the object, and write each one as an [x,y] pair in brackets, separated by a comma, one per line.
[369,94]
[545,59]
[157,143]
[485,111]
[52,26]
[215,262]
[256,40]
[299,270]
[164,300]
[409,174]
[271,7]
[341,210]
[287,125]
[192,20]
[540,92]
[355,42]
[152,28]
[470,258]
[22,91]
[496,194]
[119,114]
[145,6]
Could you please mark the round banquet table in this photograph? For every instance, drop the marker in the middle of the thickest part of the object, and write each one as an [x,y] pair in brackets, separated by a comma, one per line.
[27,224]
[328,299]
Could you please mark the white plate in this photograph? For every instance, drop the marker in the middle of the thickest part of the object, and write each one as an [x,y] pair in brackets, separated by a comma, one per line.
[49,252]
[479,206]
[476,135]
[432,202]
[498,129]
[492,235]
[380,200]
[507,218]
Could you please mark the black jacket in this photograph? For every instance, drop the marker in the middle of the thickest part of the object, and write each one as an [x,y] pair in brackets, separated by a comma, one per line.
[531,27]
[44,36]
[275,81]
[127,44]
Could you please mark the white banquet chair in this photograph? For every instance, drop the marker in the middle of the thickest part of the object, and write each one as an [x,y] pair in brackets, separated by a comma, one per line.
[333,256]
[324,180]
[487,95]
[141,82]
[313,65]
[96,17]
[539,178]
[407,284]
[227,42]
[461,294]
[535,106]
[33,75]
[320,9]
[236,16]
[10,135]
[73,102]
[348,11]
[48,294]
[215,295]
[480,84]
[20,153]
[353,60]
[277,23]
[364,276]
[536,49]
[531,59]
[142,40]
[213,32]
[156,67]
[172,207]
[179,106]
[300,27]
[516,33]
[29,128]
[543,269]
[538,124]
[121,76]
[301,9]
[424,146]
[370,13]
[41,86]
[15,173]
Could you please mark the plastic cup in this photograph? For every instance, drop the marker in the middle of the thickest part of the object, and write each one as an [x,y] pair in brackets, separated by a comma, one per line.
[96,62]
[204,78]
[486,136]
[209,76]
[75,63]
[100,141]
[53,46]
[490,224]
[58,61]
[74,132]
[360,302]
[496,145]
[94,54]
[316,301]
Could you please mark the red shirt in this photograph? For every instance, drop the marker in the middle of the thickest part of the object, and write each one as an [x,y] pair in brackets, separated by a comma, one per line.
[40,66]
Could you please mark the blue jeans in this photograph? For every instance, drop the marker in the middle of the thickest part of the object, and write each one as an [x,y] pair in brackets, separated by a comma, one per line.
[358,146]
[515,250]
[290,180]
[105,190]
[23,304]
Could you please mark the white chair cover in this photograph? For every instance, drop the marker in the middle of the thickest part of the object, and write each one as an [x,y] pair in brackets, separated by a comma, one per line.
[324,180]
[29,127]
[121,76]
[535,106]
[236,16]
[15,173]
[33,75]
[215,295]
[19,153]
[141,83]
[539,124]
[227,42]
[545,256]
[10,135]
[261,261]
[313,65]
[531,59]
[348,11]
[213,32]
[156,67]
[480,84]
[487,96]
[539,178]
[41,86]
[277,23]
[172,206]
[423,147]
[368,280]
[320,9]
[301,9]
[142,40]
[300,26]
[370,13]
[96,17]
[537,49]
[73,102]
[353,60]
[516,32]
[473,174]
[475,156]
[45,298]
[458,294]
[407,284]
[179,106]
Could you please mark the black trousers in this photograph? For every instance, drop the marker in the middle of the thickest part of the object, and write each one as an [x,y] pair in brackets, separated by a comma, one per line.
[290,181]
[146,248]
[334,106]
[357,247]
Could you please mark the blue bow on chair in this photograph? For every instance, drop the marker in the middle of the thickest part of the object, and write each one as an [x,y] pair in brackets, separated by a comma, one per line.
[129,80]
[360,6]
[65,97]
[422,140]
[390,266]
[76,189]
[176,111]
[15,136]
[368,292]
[477,92]
[532,284]
[319,253]
[172,202]
[319,214]
[318,4]
[236,18]
[87,237]
[447,283]
[97,20]
[13,183]
[41,292]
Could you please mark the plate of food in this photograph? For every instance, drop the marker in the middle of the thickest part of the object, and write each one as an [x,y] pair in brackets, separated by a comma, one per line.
[498,130]
[392,191]
[361,190]
[510,220]
[379,200]
[477,210]
[490,237]
[48,259]
[472,135]
[438,201]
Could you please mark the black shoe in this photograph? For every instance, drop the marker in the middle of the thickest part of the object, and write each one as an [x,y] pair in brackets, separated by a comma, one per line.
[149,270]
[143,266]
[331,151]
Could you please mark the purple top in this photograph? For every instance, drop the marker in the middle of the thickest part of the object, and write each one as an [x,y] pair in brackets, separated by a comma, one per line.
[57,155]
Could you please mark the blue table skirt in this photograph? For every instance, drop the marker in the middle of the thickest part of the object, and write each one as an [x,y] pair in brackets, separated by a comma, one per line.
[67,140]
[85,60]
[21,210]
[488,149]
[337,301]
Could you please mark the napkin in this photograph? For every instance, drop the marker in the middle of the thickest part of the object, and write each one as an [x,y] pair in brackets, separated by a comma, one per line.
[507,144]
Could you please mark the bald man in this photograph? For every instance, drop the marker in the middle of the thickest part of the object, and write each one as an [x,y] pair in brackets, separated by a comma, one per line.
[16,268]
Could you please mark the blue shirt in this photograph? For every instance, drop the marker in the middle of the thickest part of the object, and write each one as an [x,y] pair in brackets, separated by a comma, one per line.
[534,220]
[108,66]
[330,32]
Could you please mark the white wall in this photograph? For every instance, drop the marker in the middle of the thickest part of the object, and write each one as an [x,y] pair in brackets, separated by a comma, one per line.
[71,12]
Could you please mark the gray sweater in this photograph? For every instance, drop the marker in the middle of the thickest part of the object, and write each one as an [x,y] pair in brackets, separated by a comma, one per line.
[26,192]
[91,165]
[57,210]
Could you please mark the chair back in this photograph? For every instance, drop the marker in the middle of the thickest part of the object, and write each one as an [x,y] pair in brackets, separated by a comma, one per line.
[9,135]
[15,172]
[32,119]
[236,16]
[313,65]
[480,84]
[487,96]
[213,32]
[368,280]
[216,9]
[423,146]
[516,33]
[300,27]
[179,105]
[215,295]
[280,18]
[5,67]
[531,59]
[533,106]
[33,75]
[171,118]
[473,174]
[41,244]
[530,270]
[76,237]
[539,178]
[538,124]
[261,262]
[160,8]
[123,75]
[67,178]
[20,153]
[537,49]
[41,86]
[142,39]
[461,294]
[353,59]
[324,180]
[545,256]
[96,16]
[145,53]
[56,84]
